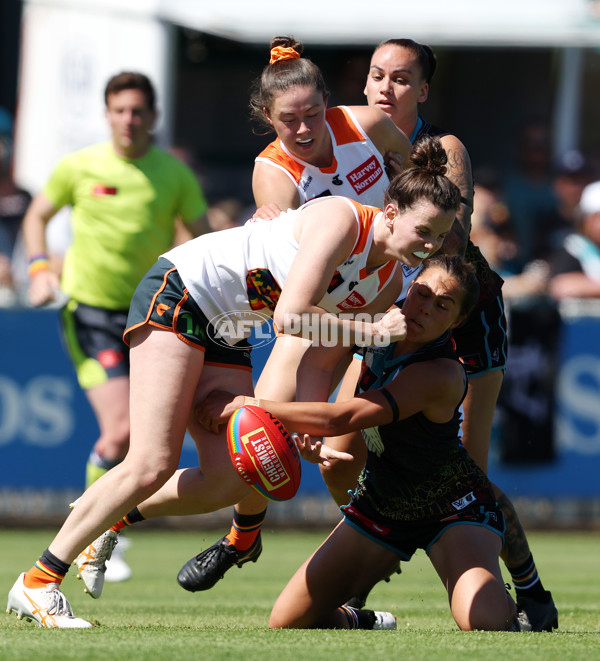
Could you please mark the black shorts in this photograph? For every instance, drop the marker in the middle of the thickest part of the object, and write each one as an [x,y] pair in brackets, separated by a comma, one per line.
[162,300]
[405,537]
[94,339]
[481,342]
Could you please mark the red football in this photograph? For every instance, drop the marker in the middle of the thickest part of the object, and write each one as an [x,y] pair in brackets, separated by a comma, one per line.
[263,453]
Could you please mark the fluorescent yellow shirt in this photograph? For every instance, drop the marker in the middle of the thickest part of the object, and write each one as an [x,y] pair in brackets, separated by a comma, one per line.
[123,214]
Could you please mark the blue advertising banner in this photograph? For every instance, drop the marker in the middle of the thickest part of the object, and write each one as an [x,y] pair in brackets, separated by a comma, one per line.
[47,427]
[574,470]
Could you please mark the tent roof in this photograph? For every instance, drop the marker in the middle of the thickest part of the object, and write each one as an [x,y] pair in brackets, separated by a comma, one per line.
[438,22]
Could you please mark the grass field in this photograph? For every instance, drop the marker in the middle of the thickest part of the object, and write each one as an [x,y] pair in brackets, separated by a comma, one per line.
[151,617]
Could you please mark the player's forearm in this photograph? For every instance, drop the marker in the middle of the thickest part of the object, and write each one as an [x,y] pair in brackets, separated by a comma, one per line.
[36,218]
[322,328]
[34,234]
[460,173]
[314,418]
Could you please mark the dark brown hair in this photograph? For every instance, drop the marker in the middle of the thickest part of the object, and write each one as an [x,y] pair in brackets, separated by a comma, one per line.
[131,80]
[424,55]
[424,178]
[463,272]
[281,76]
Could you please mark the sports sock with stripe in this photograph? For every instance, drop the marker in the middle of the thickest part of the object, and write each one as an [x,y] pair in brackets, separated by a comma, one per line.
[527,581]
[48,569]
[245,529]
[359,618]
[135,516]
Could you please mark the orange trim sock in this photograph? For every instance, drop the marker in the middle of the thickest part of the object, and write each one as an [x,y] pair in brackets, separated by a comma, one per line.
[48,569]
[245,529]
[39,578]
[129,519]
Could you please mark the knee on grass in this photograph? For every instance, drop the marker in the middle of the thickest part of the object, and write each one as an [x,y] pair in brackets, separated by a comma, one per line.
[498,616]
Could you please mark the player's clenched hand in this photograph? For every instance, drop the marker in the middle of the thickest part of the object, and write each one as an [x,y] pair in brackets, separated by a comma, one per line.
[317,452]
[217,408]
[43,287]
[395,162]
[392,325]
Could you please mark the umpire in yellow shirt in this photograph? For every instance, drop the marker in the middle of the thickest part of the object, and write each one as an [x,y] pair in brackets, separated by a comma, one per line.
[130,202]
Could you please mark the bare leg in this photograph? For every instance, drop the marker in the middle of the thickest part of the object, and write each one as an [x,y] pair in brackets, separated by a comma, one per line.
[242,543]
[479,407]
[215,483]
[516,549]
[110,402]
[466,560]
[346,563]
[189,491]
[161,399]
[341,476]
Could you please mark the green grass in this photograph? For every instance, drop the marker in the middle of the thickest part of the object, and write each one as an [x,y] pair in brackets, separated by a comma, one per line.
[151,617]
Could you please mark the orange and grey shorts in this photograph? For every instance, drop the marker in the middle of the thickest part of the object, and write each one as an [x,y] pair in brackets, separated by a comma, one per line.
[163,301]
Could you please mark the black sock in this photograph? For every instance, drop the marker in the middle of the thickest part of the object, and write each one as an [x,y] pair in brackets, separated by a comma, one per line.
[50,561]
[245,521]
[134,516]
[359,618]
[527,582]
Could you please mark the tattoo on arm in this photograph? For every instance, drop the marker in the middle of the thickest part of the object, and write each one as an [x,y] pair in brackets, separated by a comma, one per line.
[516,549]
[459,172]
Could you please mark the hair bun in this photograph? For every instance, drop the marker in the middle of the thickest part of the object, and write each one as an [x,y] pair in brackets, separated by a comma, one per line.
[287,42]
[429,155]
[425,178]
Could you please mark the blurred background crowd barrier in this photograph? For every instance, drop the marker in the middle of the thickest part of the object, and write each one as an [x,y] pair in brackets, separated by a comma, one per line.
[517,82]
[545,451]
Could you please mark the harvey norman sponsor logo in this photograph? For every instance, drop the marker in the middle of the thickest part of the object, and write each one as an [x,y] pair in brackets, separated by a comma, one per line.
[355,300]
[365,175]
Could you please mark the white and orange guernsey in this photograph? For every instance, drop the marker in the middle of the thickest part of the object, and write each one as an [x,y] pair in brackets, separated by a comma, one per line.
[356,171]
[241,271]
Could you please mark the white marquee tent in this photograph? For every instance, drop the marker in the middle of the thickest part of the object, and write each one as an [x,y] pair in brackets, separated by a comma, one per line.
[70,47]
